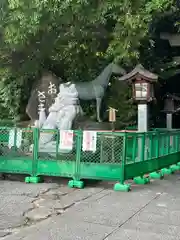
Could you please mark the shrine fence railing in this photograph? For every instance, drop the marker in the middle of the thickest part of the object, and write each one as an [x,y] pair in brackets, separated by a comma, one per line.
[78,155]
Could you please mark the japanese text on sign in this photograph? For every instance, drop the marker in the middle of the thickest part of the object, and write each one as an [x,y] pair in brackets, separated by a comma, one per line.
[42,100]
[52,90]
[89,141]
[66,140]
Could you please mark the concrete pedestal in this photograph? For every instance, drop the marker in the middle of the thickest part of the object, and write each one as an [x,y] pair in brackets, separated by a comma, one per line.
[169,121]
[142,117]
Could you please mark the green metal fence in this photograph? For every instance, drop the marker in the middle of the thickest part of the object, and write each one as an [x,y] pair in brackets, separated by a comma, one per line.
[119,156]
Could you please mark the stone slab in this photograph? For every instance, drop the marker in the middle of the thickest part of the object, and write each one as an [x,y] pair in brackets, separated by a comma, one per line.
[164,217]
[15,205]
[171,230]
[96,212]
[139,235]
[110,210]
[78,196]
[20,188]
[42,85]
[58,228]
[10,222]
[37,214]
[4,233]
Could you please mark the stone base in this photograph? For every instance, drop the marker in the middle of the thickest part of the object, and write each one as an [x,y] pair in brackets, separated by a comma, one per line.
[76,184]
[2,176]
[156,175]
[122,187]
[166,171]
[141,180]
[178,164]
[33,180]
[174,168]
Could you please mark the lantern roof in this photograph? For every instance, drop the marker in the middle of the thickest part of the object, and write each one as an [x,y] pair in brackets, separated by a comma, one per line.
[139,71]
[171,103]
[172,96]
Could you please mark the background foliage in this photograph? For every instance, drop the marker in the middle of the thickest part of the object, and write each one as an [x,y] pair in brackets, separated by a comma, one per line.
[75,39]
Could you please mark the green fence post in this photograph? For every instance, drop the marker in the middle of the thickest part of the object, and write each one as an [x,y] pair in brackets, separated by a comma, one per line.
[15,139]
[134,150]
[164,144]
[143,147]
[57,143]
[165,171]
[76,178]
[34,178]
[121,186]
[171,142]
[178,146]
[168,144]
[35,150]
[175,167]
[176,142]
[150,156]
[143,156]
[157,144]
[157,174]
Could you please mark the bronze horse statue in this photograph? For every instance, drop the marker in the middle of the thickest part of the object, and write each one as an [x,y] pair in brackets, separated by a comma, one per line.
[95,89]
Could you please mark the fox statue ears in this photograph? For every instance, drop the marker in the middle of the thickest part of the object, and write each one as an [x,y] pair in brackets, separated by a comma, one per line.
[67,88]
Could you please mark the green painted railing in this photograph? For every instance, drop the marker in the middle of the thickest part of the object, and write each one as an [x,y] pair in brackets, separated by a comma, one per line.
[119,156]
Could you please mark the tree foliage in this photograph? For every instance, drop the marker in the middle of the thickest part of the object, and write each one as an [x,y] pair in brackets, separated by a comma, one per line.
[74,39]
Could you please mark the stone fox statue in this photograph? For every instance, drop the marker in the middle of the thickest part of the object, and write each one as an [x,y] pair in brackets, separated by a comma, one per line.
[95,89]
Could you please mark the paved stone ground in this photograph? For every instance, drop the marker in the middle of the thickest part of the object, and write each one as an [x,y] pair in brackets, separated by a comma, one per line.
[51,211]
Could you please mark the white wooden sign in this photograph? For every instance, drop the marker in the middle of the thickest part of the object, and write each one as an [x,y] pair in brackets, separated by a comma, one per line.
[66,140]
[89,141]
[12,136]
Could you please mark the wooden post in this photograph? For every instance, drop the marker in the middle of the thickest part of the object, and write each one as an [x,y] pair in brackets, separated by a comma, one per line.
[112,120]
[112,116]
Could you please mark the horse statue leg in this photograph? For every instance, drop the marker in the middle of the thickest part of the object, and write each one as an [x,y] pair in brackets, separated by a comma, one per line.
[98,108]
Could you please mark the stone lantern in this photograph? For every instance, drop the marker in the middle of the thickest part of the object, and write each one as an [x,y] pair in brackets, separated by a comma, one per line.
[143,92]
[171,105]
